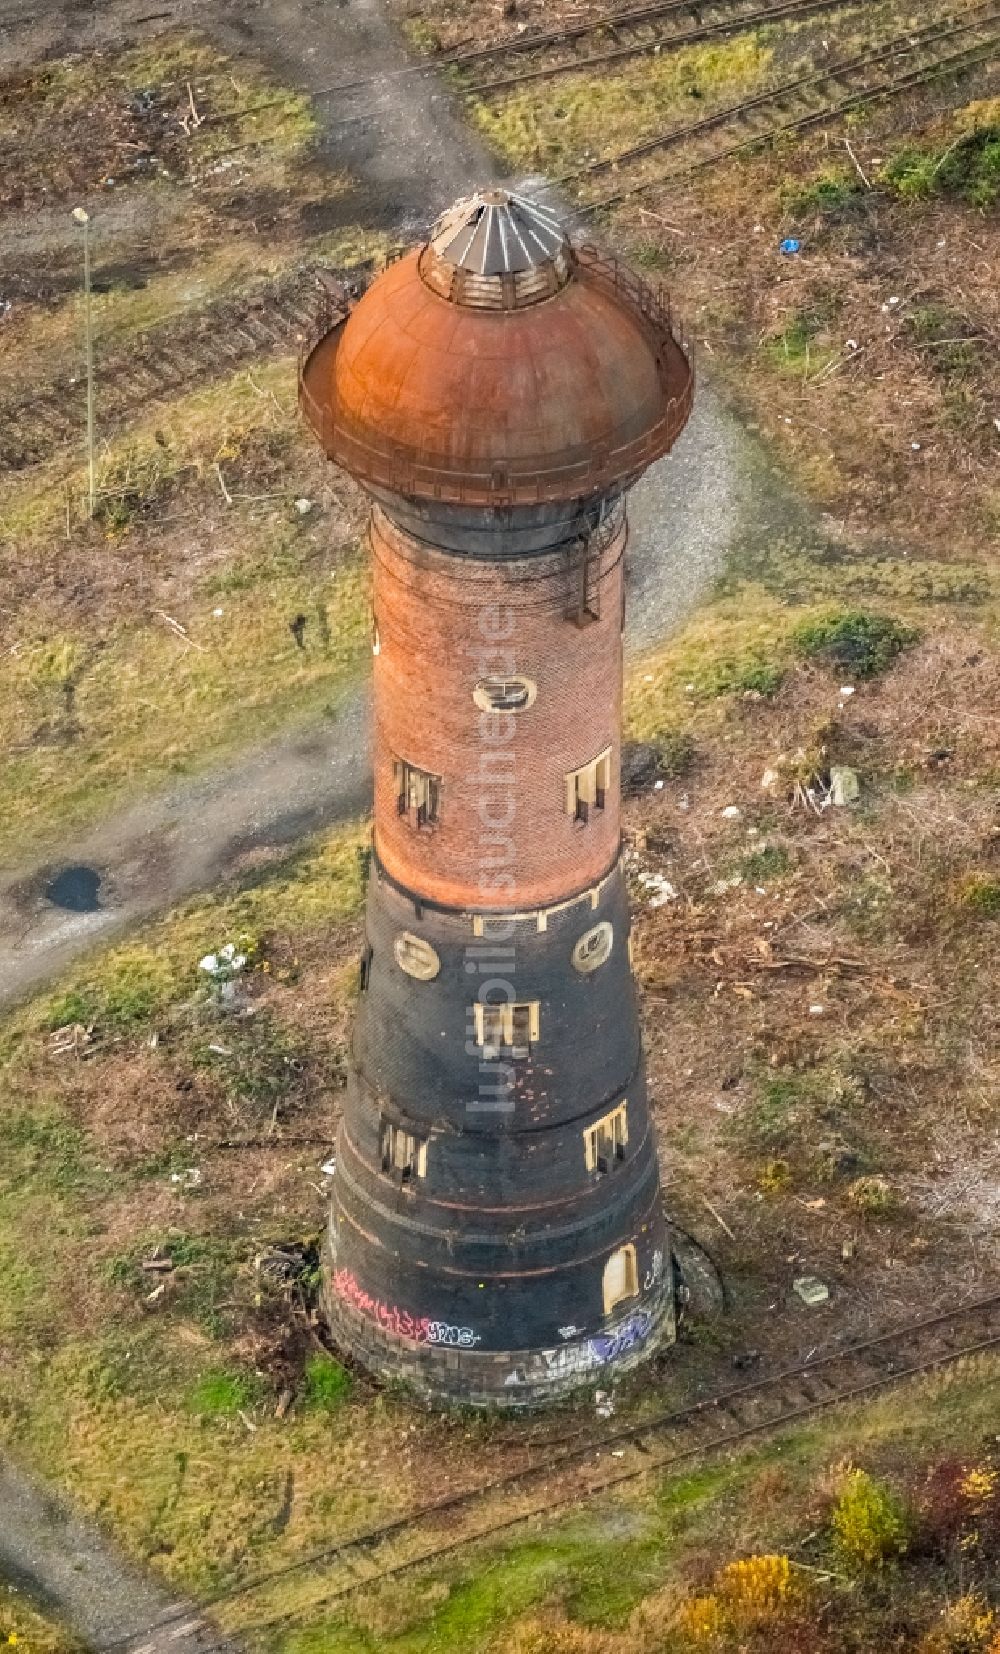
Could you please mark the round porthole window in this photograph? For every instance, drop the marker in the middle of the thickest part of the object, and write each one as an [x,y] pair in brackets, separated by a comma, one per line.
[504,694]
[416,957]
[593,948]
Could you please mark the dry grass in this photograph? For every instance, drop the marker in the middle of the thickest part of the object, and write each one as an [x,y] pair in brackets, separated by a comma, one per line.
[145,640]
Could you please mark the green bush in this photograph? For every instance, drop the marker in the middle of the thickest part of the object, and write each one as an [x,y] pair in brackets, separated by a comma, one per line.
[868,1524]
[981,894]
[853,640]
[968,169]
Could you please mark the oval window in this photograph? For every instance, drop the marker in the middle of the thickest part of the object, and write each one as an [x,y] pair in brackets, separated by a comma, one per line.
[593,948]
[416,957]
[504,694]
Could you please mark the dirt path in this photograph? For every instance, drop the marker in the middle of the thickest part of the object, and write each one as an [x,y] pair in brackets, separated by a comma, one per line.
[74,1570]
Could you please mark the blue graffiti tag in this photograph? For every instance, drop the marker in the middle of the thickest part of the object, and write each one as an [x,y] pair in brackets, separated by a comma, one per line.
[608,1346]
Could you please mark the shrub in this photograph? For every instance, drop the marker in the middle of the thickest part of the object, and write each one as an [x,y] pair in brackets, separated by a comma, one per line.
[981,894]
[757,1590]
[967,1626]
[853,640]
[873,1196]
[869,1527]
[968,168]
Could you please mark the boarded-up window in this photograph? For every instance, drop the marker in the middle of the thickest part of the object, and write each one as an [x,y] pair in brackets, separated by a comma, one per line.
[587,788]
[605,1141]
[621,1278]
[510,1027]
[418,793]
[403,1155]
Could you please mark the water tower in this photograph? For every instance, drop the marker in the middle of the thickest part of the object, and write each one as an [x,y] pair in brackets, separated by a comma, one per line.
[496,1232]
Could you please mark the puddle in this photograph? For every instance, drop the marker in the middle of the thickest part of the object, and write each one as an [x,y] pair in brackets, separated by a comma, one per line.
[77,889]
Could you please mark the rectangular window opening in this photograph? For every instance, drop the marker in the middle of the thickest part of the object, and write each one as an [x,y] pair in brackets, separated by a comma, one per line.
[403,1155]
[604,1142]
[513,1028]
[418,793]
[587,788]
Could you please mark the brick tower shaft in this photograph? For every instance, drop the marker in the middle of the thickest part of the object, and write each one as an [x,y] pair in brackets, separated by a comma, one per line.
[496,1231]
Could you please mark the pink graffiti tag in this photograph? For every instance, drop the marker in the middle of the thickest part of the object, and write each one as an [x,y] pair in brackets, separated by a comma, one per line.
[400,1321]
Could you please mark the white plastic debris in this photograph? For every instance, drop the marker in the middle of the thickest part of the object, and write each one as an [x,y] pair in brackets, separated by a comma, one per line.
[303,507]
[187,1180]
[847,689]
[226,963]
[732,812]
[329,1166]
[657,786]
[817,1010]
[217,614]
[811,1290]
[660,888]
[844,786]
[604,1404]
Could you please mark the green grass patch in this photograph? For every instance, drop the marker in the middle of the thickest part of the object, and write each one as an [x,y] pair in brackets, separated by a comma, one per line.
[827,194]
[326,1384]
[221,1395]
[852,640]
[596,115]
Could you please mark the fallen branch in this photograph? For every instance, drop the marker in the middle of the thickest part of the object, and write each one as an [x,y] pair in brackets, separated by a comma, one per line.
[859,169]
[222,484]
[175,626]
[720,1220]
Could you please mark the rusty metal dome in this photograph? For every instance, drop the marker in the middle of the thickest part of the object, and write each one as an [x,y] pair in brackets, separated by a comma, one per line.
[430,392]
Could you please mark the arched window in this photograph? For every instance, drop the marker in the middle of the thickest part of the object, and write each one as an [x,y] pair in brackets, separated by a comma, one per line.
[621,1277]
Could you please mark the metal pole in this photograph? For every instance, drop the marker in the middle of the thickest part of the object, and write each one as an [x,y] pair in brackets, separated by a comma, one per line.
[84,219]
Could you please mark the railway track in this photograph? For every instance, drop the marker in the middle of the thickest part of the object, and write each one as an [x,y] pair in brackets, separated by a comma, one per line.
[667,1440]
[642,33]
[174,357]
[902,64]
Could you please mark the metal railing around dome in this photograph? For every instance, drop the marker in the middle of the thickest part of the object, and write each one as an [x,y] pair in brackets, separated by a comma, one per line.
[400,470]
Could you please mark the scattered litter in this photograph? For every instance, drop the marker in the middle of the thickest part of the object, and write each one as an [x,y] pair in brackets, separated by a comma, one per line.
[224,964]
[303,507]
[817,1010]
[732,812]
[790,245]
[618,1452]
[189,1179]
[217,614]
[915,446]
[851,344]
[74,1037]
[844,786]
[329,1166]
[662,891]
[847,689]
[157,1293]
[604,1404]
[658,786]
[811,1290]
[5,308]
[220,1050]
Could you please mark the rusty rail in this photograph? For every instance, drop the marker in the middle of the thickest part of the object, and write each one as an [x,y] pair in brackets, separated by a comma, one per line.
[575,1473]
